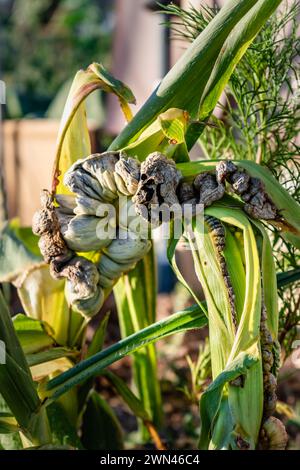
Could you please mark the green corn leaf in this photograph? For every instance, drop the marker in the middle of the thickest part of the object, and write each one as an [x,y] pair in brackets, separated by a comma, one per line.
[211,399]
[43,299]
[288,277]
[136,301]
[11,441]
[187,319]
[18,250]
[47,447]
[34,359]
[62,431]
[141,295]
[99,336]
[174,127]
[34,335]
[18,391]
[75,143]
[226,344]
[232,51]
[69,403]
[172,244]
[183,86]
[110,84]
[101,429]
[191,169]
[221,329]
[246,335]
[133,402]
[73,140]
[16,385]
[135,405]
[234,258]
[8,425]
[125,321]
[269,281]
[42,369]
[250,397]
[94,347]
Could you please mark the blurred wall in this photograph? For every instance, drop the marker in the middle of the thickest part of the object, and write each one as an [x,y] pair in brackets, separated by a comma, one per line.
[28,149]
[137,55]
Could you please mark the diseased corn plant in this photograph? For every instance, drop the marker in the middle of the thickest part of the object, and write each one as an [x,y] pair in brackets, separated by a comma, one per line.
[93,234]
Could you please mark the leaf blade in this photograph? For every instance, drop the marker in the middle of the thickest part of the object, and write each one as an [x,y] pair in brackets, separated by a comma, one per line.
[190,318]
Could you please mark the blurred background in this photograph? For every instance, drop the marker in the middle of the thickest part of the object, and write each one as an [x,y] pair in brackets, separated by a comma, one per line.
[42,45]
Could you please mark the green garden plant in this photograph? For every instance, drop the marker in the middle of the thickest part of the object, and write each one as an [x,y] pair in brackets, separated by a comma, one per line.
[47,386]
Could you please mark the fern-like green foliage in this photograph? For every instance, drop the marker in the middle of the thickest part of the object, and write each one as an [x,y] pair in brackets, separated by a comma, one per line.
[258,119]
[187,24]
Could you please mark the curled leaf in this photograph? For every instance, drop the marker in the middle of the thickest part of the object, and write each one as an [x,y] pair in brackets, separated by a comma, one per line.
[73,140]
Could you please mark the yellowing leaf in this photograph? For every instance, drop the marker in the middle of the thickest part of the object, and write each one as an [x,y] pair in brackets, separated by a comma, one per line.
[43,298]
[174,124]
[49,368]
[73,140]
[166,134]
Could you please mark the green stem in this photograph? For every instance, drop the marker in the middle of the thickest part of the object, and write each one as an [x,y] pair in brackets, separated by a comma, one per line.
[182,87]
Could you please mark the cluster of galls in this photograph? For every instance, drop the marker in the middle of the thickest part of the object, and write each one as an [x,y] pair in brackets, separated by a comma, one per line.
[161,183]
[273,434]
[82,277]
[269,366]
[251,190]
[157,186]
[80,222]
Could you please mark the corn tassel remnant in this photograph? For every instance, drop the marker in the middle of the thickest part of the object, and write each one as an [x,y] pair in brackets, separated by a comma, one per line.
[217,231]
